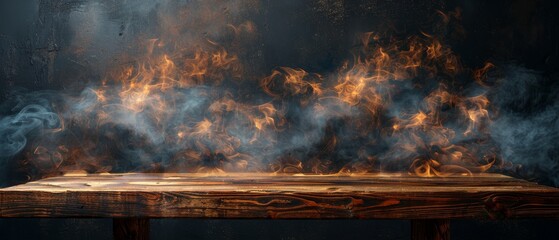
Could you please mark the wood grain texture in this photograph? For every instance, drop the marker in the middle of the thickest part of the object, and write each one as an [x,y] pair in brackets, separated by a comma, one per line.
[430,229]
[386,196]
[131,228]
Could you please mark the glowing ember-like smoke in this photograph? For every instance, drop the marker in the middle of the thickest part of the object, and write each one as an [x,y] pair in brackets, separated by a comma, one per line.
[399,104]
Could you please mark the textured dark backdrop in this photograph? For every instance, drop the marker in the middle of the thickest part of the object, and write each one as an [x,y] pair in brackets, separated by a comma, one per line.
[37,52]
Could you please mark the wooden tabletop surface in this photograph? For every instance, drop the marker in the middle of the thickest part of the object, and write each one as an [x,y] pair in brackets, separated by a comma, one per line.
[385,196]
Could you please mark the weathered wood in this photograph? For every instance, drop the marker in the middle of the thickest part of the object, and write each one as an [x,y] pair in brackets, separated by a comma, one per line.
[430,229]
[386,196]
[131,228]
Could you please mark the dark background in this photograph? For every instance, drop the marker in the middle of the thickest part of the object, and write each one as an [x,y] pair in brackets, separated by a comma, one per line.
[38,51]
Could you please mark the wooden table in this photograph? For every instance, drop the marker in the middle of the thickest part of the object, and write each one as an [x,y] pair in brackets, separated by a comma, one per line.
[131,199]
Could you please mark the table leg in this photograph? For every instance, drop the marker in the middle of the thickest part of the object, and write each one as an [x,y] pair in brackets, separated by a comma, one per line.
[430,229]
[130,228]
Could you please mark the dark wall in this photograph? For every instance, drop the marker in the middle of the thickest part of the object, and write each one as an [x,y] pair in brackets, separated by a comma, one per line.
[526,32]
[55,44]
[49,44]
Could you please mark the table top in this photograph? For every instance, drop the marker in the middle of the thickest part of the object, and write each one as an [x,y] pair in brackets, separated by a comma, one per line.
[262,195]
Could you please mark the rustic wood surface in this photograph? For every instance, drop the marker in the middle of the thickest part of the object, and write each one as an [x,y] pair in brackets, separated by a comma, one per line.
[131,228]
[388,196]
[430,229]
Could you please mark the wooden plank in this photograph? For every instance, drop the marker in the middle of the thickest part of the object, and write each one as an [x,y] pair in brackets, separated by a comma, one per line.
[430,229]
[385,196]
[131,228]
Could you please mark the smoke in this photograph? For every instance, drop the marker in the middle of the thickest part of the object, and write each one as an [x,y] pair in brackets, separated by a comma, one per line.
[106,34]
[180,92]
[101,123]
[30,120]
[527,126]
